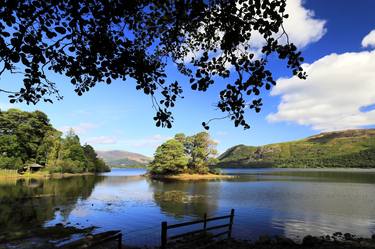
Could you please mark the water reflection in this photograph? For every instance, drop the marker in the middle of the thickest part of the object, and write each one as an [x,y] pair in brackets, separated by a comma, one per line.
[180,199]
[29,203]
[286,202]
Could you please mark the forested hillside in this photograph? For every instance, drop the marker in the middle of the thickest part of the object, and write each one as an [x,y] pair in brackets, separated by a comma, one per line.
[28,137]
[350,148]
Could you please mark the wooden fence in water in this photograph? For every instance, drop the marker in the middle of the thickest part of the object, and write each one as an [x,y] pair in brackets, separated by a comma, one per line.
[165,227]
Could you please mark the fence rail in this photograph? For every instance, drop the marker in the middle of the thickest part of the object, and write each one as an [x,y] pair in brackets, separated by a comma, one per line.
[165,227]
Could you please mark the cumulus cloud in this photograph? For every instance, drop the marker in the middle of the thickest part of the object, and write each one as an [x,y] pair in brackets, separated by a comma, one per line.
[338,93]
[80,128]
[369,40]
[102,140]
[302,26]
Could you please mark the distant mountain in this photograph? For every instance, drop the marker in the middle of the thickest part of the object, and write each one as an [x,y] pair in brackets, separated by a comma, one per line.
[349,148]
[123,158]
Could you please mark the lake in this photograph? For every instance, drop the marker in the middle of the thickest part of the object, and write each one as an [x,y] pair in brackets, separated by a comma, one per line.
[289,202]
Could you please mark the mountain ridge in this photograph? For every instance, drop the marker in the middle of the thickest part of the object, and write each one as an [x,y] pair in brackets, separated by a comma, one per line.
[348,148]
[123,158]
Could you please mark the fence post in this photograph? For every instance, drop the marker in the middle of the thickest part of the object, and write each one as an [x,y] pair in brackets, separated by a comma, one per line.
[120,241]
[163,234]
[205,221]
[231,223]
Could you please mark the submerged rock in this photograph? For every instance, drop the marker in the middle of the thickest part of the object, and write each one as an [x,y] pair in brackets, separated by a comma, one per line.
[264,239]
[310,240]
[284,241]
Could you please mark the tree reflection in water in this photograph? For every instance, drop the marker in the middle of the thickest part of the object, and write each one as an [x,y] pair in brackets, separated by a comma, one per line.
[26,204]
[179,198]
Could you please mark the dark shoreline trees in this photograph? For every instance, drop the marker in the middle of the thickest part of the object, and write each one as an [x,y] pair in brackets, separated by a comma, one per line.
[98,41]
[28,137]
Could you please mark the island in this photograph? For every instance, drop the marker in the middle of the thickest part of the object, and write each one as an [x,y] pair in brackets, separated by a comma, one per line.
[186,158]
[31,146]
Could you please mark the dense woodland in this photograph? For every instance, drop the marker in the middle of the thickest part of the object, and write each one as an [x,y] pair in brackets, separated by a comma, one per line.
[29,137]
[184,154]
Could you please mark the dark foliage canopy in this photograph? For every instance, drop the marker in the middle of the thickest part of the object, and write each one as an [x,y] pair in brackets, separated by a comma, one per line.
[96,41]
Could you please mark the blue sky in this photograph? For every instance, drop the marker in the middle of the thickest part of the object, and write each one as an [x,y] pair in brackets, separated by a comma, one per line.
[339,93]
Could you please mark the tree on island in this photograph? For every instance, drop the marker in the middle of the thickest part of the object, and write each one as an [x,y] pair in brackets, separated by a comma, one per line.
[193,154]
[100,41]
[170,158]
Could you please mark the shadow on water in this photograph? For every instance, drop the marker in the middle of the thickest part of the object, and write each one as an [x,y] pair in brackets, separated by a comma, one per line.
[28,203]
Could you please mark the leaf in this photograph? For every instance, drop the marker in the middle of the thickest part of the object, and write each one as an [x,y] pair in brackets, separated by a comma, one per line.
[60,30]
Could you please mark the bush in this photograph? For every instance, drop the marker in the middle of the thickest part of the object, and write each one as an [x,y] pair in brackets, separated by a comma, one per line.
[10,163]
[215,171]
[67,166]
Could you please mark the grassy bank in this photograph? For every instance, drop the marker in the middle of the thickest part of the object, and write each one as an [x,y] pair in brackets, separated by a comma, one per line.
[6,173]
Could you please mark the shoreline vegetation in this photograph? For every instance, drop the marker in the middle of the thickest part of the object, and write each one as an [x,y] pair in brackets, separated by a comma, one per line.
[40,174]
[29,144]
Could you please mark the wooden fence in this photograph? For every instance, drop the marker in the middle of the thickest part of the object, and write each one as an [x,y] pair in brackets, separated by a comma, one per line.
[165,227]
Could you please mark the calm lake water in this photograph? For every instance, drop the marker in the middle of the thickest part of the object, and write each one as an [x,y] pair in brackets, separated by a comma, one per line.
[266,201]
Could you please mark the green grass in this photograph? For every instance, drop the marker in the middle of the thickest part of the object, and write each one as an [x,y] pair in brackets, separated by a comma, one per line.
[352,148]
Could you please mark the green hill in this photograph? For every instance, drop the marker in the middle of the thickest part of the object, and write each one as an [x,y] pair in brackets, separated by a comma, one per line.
[121,158]
[349,148]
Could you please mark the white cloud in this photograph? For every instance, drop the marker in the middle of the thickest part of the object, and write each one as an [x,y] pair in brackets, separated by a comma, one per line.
[4,106]
[102,140]
[334,95]
[221,133]
[369,40]
[81,128]
[301,26]
[149,142]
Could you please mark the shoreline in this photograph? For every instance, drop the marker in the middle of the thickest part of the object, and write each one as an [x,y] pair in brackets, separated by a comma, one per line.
[190,177]
[305,168]
[41,175]
[41,238]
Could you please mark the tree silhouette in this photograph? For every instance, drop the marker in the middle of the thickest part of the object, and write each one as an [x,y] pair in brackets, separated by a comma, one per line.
[96,41]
